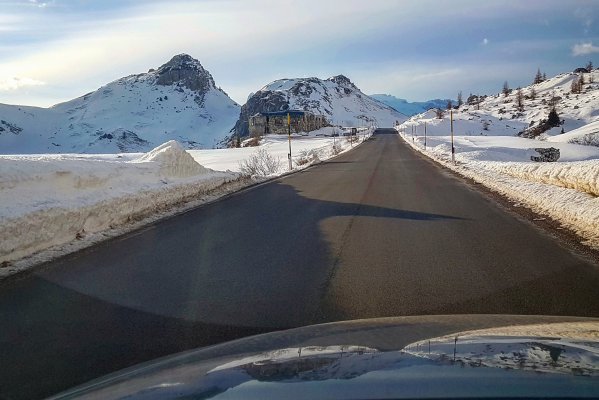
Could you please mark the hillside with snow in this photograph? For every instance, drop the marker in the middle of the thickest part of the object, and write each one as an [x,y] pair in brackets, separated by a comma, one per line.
[178,101]
[499,115]
[410,108]
[495,143]
[337,98]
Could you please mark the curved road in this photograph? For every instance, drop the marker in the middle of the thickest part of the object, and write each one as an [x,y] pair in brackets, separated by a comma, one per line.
[379,231]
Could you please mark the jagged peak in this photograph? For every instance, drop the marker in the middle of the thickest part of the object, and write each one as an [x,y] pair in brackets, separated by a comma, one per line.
[186,71]
[341,80]
[182,61]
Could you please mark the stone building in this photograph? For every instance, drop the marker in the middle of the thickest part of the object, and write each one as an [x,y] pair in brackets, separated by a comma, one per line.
[276,122]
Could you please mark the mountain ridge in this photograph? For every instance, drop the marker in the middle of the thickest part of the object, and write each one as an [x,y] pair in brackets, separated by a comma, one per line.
[410,108]
[179,100]
[337,98]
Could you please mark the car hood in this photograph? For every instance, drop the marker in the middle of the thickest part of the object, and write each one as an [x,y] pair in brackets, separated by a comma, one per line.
[407,357]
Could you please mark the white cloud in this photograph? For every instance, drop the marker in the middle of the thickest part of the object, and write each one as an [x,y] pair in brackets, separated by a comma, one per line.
[485,41]
[41,4]
[15,83]
[84,55]
[584,48]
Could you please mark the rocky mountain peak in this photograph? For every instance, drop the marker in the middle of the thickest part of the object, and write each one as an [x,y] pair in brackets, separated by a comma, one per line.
[336,98]
[185,71]
[342,80]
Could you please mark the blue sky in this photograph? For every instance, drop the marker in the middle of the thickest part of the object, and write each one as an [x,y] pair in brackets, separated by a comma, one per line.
[56,50]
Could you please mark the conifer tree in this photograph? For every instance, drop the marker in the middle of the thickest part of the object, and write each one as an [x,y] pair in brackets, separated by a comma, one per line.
[538,77]
[506,89]
[553,118]
[519,99]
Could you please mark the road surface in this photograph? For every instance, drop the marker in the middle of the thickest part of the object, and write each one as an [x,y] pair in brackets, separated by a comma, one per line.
[379,231]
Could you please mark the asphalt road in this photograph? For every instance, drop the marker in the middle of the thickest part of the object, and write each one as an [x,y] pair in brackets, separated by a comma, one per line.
[379,231]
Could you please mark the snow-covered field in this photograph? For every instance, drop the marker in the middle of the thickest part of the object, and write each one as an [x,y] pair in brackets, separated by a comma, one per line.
[52,204]
[566,190]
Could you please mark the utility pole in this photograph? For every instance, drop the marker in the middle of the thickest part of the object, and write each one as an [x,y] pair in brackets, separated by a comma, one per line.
[452,148]
[424,135]
[334,133]
[289,137]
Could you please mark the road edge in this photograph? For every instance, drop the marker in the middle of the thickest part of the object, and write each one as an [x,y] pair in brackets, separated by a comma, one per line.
[560,230]
[24,266]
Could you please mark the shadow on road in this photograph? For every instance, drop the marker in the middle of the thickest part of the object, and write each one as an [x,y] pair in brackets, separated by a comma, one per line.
[241,266]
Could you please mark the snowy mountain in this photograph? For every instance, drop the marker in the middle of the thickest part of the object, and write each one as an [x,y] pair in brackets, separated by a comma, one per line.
[500,114]
[410,108]
[337,98]
[178,101]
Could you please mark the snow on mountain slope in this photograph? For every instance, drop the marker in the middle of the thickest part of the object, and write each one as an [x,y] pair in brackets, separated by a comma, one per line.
[499,115]
[178,101]
[410,108]
[337,98]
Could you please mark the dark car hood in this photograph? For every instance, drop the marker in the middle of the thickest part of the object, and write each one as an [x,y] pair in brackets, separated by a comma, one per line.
[406,357]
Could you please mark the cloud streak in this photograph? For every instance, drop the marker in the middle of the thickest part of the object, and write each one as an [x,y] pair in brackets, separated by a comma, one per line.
[78,46]
[17,83]
[583,49]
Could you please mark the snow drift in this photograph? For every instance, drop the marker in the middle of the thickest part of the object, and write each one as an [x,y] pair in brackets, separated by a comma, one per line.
[173,160]
[50,200]
[53,204]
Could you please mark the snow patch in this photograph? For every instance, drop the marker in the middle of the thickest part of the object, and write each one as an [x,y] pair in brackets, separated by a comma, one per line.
[174,161]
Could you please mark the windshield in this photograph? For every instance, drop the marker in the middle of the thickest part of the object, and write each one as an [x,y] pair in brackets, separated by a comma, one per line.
[176,175]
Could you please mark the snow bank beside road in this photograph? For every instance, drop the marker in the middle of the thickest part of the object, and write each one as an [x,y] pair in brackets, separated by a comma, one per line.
[565,191]
[53,204]
[582,176]
[50,200]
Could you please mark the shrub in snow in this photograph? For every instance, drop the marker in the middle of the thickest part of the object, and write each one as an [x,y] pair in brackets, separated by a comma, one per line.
[590,139]
[261,164]
[307,156]
[335,149]
[550,154]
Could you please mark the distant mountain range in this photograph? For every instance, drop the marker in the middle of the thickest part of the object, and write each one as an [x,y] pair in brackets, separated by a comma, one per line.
[410,108]
[179,100]
[337,98]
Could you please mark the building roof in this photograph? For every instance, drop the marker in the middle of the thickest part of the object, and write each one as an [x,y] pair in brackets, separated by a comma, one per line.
[293,113]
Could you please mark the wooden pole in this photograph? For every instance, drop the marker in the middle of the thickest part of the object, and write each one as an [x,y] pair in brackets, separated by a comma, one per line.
[289,137]
[452,147]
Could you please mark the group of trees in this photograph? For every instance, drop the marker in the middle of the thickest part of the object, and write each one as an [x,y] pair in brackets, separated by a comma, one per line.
[553,117]
[539,77]
[577,83]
